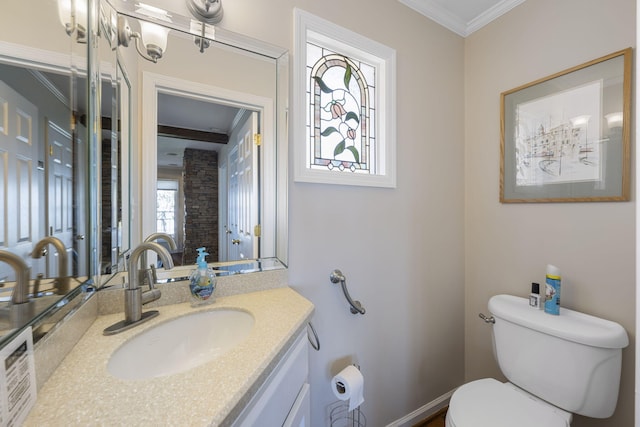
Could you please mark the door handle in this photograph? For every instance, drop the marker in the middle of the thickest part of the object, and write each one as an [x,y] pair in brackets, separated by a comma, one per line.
[235,241]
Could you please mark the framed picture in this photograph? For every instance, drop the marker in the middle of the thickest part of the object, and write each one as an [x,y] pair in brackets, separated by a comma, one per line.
[566,137]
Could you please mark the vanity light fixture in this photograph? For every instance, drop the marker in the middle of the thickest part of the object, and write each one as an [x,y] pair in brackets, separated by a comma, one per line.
[203,34]
[73,17]
[580,120]
[152,36]
[209,11]
[206,13]
[614,119]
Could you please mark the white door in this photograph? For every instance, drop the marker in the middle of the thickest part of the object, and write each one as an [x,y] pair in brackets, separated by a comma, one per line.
[232,234]
[18,165]
[247,190]
[60,193]
[223,215]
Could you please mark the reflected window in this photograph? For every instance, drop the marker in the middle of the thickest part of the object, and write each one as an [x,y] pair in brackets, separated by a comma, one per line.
[166,207]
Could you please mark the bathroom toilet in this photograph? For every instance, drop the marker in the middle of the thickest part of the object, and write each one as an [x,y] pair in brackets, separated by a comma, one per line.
[555,366]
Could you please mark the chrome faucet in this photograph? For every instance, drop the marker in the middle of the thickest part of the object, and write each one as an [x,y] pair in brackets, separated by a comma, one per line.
[62,282]
[21,309]
[134,298]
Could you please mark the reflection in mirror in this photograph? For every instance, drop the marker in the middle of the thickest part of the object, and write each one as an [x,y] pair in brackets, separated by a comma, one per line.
[43,152]
[208,191]
[235,205]
[115,121]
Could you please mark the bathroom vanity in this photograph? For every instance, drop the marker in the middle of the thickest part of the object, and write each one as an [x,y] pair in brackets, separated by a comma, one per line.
[233,389]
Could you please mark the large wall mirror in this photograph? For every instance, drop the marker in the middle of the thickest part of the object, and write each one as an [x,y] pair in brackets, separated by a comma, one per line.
[203,158]
[45,188]
[109,126]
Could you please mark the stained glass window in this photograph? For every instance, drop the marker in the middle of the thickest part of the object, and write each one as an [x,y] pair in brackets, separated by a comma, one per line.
[341,118]
[344,102]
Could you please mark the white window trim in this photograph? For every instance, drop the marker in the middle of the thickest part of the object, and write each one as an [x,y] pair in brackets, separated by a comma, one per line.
[307,24]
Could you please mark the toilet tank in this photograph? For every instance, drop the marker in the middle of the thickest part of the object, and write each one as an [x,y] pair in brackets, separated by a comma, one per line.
[572,361]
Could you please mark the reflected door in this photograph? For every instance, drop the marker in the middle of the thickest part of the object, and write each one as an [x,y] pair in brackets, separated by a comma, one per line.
[60,194]
[248,188]
[232,233]
[243,196]
[19,188]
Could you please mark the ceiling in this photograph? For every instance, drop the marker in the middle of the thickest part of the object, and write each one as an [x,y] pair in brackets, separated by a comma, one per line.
[463,17]
[192,114]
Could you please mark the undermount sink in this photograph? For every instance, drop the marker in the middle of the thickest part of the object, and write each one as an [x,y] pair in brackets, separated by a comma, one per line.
[180,344]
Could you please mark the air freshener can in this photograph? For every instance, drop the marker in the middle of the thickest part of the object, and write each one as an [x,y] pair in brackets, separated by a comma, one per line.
[552,290]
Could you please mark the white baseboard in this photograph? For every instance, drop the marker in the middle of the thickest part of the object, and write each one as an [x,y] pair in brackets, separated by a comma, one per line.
[423,412]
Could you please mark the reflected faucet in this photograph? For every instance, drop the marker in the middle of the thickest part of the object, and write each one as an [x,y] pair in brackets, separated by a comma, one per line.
[158,236]
[147,275]
[62,282]
[22,270]
[134,298]
[162,236]
[21,309]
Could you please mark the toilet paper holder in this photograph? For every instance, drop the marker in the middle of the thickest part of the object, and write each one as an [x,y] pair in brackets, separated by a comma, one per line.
[341,413]
[337,277]
[340,416]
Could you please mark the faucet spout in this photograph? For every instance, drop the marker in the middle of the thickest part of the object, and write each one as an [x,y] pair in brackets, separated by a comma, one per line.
[21,290]
[62,283]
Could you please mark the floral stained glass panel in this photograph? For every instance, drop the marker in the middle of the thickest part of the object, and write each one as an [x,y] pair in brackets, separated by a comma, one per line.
[341,115]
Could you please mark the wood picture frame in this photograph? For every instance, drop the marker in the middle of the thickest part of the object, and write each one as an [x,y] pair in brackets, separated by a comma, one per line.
[566,137]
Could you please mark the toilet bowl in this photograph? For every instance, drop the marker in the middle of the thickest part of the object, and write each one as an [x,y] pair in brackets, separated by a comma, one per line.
[490,403]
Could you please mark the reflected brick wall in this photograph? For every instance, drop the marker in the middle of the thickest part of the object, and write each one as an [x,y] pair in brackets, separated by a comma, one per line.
[201,204]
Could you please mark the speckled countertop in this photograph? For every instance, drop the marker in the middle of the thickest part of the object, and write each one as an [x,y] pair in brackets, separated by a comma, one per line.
[82,392]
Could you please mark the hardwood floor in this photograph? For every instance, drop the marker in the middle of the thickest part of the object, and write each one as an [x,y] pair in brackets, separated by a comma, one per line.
[435,420]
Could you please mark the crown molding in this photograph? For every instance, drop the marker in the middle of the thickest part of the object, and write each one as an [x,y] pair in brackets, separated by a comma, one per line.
[437,13]
[434,11]
[491,14]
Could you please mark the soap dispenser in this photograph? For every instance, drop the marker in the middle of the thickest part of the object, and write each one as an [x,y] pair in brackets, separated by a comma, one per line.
[202,281]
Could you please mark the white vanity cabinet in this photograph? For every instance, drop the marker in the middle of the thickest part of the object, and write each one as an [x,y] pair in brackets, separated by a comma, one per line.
[284,398]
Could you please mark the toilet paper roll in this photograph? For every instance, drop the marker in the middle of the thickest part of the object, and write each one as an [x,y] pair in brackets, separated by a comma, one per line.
[349,385]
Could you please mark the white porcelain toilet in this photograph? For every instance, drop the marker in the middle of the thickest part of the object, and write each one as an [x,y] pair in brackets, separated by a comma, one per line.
[555,365]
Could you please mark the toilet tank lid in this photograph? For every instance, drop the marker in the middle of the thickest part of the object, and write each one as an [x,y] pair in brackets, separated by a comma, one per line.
[570,325]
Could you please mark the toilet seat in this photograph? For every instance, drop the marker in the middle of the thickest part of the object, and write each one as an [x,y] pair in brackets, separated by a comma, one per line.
[490,403]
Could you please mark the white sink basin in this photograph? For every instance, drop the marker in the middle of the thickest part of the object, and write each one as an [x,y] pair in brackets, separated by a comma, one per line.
[180,344]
